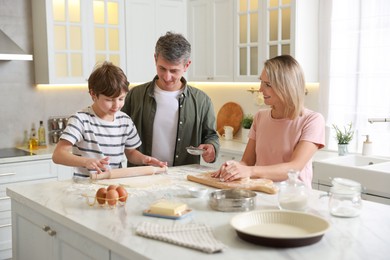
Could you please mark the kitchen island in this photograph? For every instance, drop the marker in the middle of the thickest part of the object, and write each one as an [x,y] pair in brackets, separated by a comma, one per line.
[52,220]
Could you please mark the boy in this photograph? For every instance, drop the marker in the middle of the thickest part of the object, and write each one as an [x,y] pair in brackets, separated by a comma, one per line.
[96,137]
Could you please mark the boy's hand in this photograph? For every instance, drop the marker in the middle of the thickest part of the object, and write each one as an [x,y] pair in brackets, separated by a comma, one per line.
[99,165]
[153,161]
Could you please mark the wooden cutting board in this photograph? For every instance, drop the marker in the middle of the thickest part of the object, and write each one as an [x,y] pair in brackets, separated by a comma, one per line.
[263,185]
[230,114]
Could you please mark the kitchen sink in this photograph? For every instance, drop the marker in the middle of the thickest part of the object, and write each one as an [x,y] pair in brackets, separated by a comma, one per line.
[356,160]
[385,167]
[372,172]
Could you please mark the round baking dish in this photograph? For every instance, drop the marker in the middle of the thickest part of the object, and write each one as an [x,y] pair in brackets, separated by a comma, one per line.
[232,200]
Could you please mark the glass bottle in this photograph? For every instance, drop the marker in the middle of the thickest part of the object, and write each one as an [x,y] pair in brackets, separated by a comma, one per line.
[41,134]
[33,142]
[293,194]
[26,143]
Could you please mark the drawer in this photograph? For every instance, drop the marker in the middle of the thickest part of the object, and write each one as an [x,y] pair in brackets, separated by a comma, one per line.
[24,171]
[5,218]
[5,235]
[5,204]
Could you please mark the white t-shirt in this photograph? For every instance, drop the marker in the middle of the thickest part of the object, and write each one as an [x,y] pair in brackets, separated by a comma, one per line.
[165,124]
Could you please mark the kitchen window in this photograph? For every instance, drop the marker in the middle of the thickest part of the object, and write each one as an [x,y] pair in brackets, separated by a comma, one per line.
[354,69]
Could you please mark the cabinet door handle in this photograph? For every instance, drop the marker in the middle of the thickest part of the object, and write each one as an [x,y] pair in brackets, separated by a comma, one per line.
[51,232]
[4,198]
[5,225]
[7,174]
[46,228]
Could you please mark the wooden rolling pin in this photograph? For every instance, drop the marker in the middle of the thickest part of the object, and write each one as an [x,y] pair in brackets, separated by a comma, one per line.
[128,172]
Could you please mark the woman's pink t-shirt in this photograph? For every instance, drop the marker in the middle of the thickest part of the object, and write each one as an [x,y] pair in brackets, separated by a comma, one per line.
[276,138]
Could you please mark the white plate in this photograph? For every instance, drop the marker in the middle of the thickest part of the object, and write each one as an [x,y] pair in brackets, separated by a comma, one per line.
[279,228]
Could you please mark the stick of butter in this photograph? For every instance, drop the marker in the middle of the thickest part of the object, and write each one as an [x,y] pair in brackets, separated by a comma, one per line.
[168,208]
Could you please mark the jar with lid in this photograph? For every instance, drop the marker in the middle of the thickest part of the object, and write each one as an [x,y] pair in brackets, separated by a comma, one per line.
[293,194]
[54,124]
[345,198]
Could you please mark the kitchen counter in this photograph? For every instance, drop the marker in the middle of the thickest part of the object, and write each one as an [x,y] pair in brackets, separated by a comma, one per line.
[237,146]
[363,237]
[233,146]
[38,154]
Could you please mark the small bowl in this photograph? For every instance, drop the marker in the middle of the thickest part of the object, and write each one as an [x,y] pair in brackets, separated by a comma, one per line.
[194,150]
[198,192]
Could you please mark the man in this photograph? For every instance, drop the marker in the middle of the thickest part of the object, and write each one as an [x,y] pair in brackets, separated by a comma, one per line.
[169,114]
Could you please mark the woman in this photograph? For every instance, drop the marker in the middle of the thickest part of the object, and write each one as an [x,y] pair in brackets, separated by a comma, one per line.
[284,136]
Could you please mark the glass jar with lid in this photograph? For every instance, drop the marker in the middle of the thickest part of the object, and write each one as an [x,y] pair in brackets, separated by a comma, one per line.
[345,198]
[293,194]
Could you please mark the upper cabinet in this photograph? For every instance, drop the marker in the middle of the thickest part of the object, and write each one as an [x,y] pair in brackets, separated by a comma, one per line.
[230,39]
[72,36]
[146,21]
[211,37]
[305,17]
[268,28]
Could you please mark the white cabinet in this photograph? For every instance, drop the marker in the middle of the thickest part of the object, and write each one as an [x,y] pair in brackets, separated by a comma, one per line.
[64,172]
[12,173]
[37,237]
[211,37]
[146,21]
[266,29]
[70,37]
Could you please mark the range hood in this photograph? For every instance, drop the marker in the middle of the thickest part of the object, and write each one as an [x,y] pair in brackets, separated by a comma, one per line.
[9,50]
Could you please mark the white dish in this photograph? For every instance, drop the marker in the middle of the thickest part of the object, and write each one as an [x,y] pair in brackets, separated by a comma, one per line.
[194,150]
[279,228]
[198,192]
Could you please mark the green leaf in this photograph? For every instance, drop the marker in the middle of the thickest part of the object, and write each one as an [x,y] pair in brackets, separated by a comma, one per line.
[345,135]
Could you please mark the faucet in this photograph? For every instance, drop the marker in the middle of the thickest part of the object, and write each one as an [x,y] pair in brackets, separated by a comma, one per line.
[373,120]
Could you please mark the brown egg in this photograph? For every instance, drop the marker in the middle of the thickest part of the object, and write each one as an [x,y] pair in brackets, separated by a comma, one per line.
[112,197]
[101,195]
[112,187]
[122,192]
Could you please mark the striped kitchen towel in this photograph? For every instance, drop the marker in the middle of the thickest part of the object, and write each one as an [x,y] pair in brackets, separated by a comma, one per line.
[195,236]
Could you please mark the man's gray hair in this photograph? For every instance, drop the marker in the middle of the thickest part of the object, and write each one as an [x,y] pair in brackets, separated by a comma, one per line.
[173,47]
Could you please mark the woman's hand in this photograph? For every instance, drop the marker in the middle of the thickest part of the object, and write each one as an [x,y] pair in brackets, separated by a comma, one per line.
[99,165]
[232,170]
[221,171]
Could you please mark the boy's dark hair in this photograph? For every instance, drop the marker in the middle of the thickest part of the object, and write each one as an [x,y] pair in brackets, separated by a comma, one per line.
[108,79]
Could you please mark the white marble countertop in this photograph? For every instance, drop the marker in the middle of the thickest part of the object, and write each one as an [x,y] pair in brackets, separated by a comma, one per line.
[363,237]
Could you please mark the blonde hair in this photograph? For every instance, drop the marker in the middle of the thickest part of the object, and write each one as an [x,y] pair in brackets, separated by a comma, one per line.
[288,82]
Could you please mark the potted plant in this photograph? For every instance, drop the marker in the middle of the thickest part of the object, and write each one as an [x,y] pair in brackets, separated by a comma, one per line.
[246,124]
[343,137]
